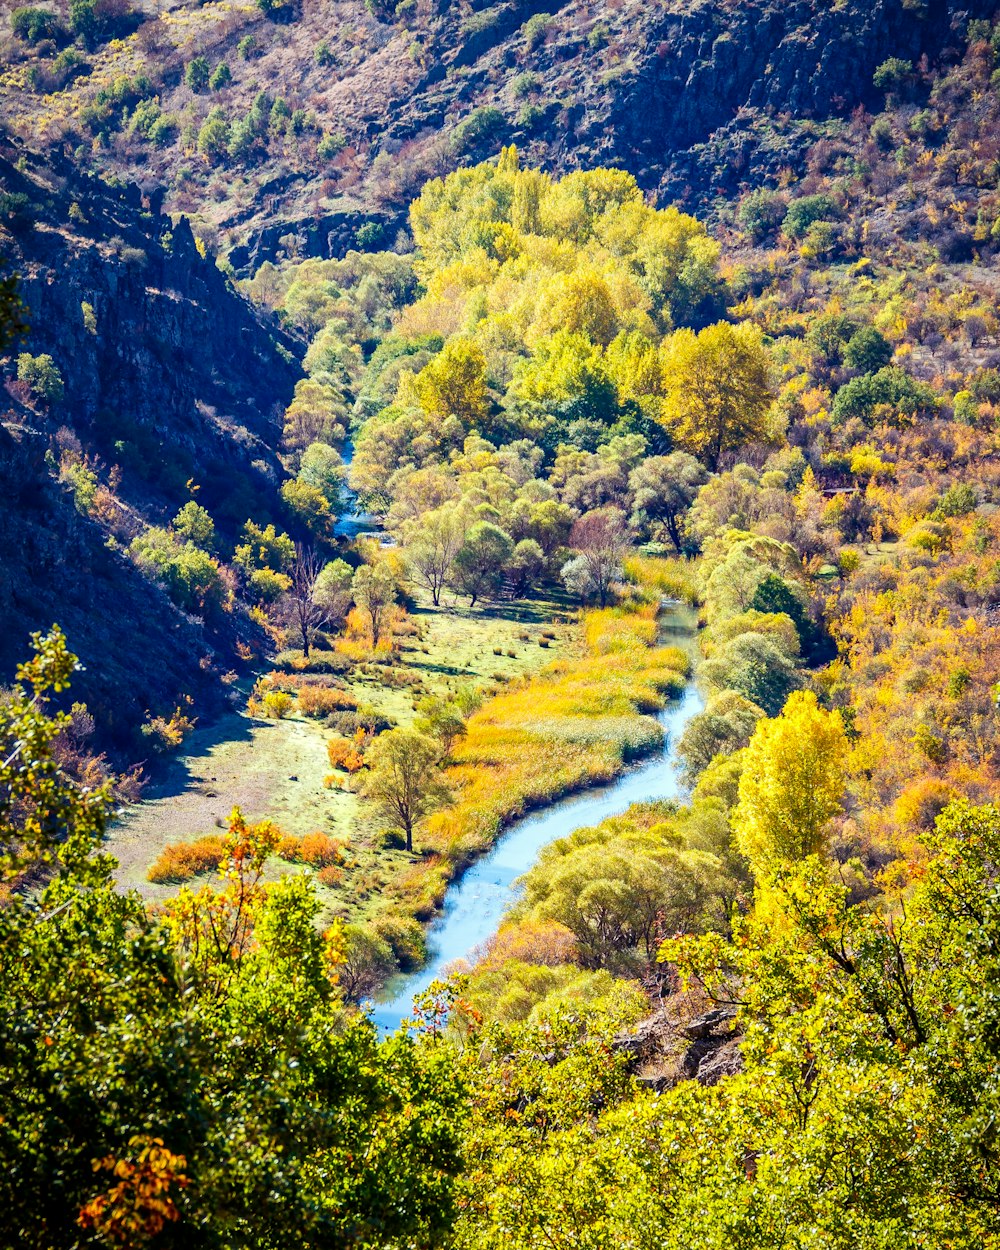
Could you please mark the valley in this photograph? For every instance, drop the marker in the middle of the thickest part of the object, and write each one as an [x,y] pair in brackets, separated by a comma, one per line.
[500,678]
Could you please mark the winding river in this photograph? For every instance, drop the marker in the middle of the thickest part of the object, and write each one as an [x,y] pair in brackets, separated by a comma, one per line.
[475,903]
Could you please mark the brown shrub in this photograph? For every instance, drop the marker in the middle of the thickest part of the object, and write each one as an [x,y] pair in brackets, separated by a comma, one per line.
[344,754]
[321,701]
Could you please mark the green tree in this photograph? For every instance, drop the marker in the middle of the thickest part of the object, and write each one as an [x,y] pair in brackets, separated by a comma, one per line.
[41,374]
[663,489]
[403,781]
[193,523]
[433,540]
[867,350]
[479,564]
[197,73]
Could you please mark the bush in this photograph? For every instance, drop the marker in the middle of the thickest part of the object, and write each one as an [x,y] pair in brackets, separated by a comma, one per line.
[183,860]
[803,212]
[277,704]
[760,213]
[406,938]
[867,350]
[483,126]
[42,376]
[318,850]
[321,701]
[344,754]
[197,74]
[889,395]
[33,25]
[221,77]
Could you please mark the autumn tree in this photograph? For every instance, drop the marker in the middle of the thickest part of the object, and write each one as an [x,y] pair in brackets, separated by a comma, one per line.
[717,389]
[319,594]
[478,567]
[403,780]
[600,539]
[663,489]
[454,383]
[791,785]
[432,542]
[374,590]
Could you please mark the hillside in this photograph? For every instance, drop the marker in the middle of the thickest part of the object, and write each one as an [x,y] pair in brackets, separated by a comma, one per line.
[162,384]
[306,128]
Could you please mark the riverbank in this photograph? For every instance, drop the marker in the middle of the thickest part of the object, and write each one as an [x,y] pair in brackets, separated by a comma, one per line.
[578,724]
[475,903]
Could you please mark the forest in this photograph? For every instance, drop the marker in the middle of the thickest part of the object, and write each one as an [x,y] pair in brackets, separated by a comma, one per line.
[330,571]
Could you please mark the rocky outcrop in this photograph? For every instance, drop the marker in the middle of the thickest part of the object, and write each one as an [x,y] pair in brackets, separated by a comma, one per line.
[663,1049]
[160,356]
[174,387]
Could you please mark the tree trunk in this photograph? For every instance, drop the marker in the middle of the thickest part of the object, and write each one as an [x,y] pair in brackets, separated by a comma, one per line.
[409,836]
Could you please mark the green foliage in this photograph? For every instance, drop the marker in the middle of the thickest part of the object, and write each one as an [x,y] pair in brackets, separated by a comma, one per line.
[867,350]
[804,212]
[221,77]
[890,395]
[197,73]
[194,524]
[482,128]
[42,376]
[403,781]
[190,576]
[34,24]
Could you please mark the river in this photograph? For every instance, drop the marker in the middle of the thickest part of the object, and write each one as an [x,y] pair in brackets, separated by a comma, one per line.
[475,903]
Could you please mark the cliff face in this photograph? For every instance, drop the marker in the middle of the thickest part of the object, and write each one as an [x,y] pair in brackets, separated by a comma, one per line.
[156,349]
[173,388]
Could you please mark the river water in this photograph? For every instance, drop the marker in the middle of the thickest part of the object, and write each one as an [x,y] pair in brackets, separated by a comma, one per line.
[475,903]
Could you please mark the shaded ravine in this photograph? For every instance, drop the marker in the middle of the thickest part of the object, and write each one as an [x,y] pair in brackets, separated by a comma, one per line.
[475,903]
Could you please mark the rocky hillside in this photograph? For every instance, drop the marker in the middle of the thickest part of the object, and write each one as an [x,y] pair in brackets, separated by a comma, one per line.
[144,381]
[305,128]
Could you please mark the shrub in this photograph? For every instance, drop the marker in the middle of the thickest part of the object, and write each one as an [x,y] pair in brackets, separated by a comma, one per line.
[330,876]
[867,350]
[221,77]
[168,733]
[246,47]
[197,74]
[535,29]
[760,213]
[406,938]
[277,704]
[321,701]
[330,146]
[318,849]
[183,860]
[483,126]
[33,25]
[890,395]
[344,754]
[42,376]
[803,212]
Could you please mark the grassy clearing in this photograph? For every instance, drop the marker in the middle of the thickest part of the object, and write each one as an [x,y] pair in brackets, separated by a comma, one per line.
[276,769]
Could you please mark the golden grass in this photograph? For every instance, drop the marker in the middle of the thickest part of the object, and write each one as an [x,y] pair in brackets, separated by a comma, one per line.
[576,724]
[669,575]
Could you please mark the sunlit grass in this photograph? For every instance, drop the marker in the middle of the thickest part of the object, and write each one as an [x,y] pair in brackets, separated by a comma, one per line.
[576,724]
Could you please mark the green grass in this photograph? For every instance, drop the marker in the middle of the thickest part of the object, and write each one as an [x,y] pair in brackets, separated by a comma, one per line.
[277,769]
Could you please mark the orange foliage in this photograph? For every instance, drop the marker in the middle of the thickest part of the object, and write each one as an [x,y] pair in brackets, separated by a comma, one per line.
[139,1205]
[183,860]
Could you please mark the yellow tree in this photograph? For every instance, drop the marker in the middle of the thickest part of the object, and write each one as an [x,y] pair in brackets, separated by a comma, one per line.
[717,389]
[454,383]
[791,784]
